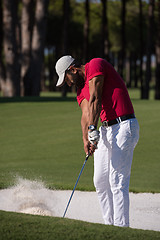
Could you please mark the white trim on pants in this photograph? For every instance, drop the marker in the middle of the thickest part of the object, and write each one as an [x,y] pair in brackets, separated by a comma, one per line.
[112,168]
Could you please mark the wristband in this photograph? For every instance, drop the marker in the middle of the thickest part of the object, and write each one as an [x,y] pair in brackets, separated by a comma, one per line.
[92,127]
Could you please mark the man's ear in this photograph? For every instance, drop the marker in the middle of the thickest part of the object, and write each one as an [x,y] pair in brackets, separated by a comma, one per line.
[73,69]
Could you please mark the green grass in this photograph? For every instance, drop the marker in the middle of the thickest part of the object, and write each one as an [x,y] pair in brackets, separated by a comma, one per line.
[145,168]
[40,138]
[28,227]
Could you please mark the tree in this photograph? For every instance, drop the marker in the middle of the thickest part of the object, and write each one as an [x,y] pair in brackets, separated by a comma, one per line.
[105,40]
[157,88]
[149,48]
[123,39]
[2,67]
[141,46]
[65,36]
[86,33]
[33,77]
[12,83]
[26,33]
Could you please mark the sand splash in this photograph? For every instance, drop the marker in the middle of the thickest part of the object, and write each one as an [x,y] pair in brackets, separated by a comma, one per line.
[27,197]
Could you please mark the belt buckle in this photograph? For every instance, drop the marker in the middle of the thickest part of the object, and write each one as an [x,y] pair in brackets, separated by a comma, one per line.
[119,120]
[105,124]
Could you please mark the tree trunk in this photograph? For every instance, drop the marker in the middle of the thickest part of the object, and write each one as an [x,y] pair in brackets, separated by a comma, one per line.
[131,74]
[26,31]
[66,13]
[86,33]
[135,70]
[12,84]
[105,40]
[39,31]
[141,48]
[51,72]
[123,39]
[149,49]
[2,68]
[65,36]
[1,31]
[157,88]
[128,70]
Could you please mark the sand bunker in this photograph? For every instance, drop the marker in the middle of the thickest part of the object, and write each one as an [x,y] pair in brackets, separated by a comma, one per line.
[31,197]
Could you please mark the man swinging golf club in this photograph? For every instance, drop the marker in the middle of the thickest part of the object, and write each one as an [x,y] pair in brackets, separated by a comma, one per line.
[101,92]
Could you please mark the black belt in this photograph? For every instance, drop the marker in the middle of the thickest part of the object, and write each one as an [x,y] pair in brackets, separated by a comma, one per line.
[117,120]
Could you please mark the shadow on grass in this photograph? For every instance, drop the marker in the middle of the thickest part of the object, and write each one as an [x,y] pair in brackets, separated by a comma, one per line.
[36,99]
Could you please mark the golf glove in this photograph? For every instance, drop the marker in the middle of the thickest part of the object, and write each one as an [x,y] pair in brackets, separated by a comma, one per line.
[93,137]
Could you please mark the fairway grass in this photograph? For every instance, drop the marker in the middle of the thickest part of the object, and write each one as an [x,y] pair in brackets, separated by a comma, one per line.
[40,139]
[145,175]
[17,226]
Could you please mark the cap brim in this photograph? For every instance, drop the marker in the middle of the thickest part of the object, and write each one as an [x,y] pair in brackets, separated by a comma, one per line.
[60,80]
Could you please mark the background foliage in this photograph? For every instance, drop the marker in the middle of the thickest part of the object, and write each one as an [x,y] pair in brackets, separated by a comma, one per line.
[130,40]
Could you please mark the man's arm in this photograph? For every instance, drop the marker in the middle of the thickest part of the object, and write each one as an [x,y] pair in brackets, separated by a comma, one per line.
[85,123]
[91,111]
[95,89]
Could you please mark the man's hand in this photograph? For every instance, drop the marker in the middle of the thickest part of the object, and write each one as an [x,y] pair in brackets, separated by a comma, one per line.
[89,148]
[93,137]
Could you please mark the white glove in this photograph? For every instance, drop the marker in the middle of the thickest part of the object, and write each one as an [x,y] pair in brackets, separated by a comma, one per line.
[93,137]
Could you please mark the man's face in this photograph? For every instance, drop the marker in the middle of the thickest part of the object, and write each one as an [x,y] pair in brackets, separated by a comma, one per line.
[74,78]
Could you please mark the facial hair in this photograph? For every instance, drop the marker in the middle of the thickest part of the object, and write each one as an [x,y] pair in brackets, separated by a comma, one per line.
[78,80]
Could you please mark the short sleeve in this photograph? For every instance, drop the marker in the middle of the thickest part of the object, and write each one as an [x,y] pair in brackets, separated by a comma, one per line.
[95,68]
[80,96]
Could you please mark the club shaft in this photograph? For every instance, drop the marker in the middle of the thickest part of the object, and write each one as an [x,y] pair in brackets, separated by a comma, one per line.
[75,185]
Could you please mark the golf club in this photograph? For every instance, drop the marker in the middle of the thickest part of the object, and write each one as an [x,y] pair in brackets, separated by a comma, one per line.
[87,156]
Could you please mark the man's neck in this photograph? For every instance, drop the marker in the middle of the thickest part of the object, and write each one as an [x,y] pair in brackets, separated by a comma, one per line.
[83,69]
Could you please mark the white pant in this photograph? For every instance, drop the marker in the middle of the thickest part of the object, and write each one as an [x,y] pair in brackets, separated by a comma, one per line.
[112,168]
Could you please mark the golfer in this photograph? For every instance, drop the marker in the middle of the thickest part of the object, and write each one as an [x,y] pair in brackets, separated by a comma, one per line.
[101,93]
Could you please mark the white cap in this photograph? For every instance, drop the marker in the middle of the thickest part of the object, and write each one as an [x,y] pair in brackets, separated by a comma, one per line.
[61,66]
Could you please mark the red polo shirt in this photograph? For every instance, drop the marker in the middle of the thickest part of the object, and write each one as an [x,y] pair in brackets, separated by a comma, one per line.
[115,98]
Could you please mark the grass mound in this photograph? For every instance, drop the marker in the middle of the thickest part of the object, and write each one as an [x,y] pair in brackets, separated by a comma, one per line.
[17,226]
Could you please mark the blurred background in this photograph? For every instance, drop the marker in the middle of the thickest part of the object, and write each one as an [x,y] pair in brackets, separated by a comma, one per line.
[34,34]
